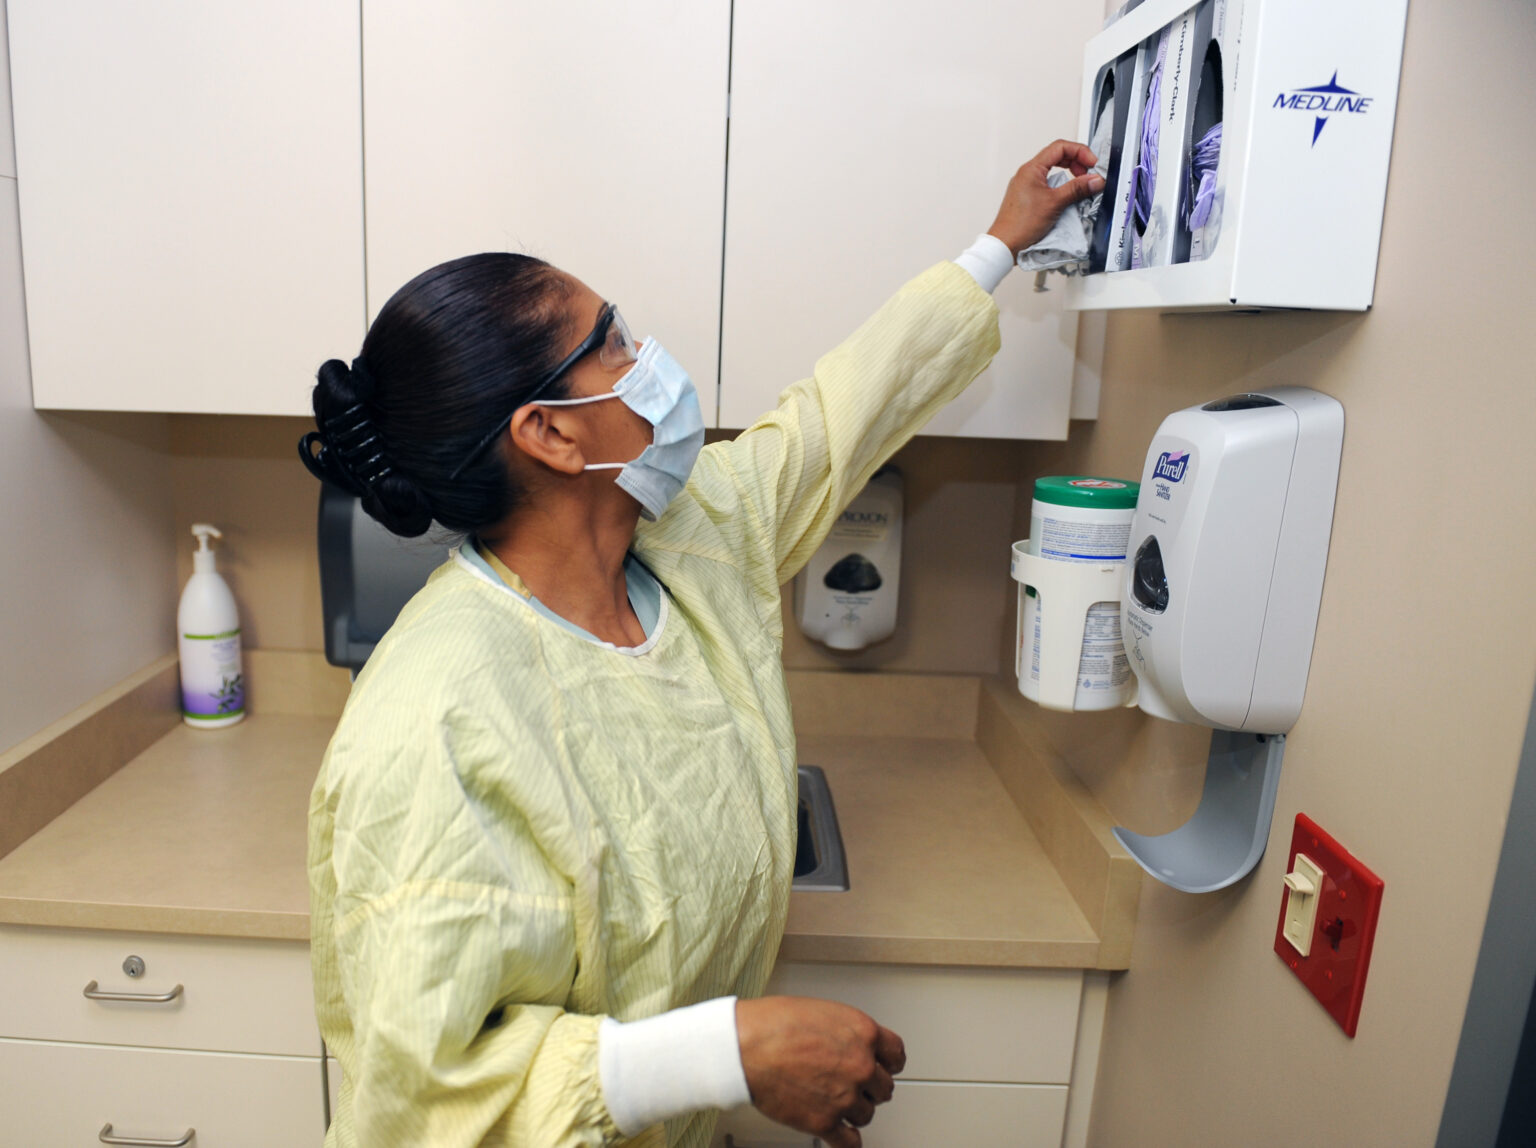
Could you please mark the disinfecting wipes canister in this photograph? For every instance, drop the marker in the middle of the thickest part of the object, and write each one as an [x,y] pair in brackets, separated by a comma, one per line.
[1084,520]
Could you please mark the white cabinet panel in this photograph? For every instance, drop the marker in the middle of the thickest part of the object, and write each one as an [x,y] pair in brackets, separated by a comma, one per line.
[61,1096]
[7,141]
[237,995]
[869,141]
[1003,1025]
[924,1114]
[191,206]
[588,134]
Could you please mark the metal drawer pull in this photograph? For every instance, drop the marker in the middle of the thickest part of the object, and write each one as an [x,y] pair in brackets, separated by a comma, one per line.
[95,994]
[106,1137]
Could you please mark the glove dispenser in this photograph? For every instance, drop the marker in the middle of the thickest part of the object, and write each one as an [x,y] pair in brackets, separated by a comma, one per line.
[1219,607]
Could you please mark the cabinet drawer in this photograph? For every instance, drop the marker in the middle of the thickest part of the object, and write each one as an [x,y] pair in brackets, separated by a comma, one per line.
[988,1025]
[237,995]
[926,1114]
[63,1094]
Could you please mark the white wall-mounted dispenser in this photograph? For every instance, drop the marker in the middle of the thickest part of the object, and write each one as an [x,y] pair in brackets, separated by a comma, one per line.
[846,594]
[1219,595]
[1220,603]
[1249,154]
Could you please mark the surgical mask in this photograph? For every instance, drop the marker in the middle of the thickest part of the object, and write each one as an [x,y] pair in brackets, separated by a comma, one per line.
[658,390]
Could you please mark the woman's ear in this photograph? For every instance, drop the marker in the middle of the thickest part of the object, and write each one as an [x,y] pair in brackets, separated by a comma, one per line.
[542,434]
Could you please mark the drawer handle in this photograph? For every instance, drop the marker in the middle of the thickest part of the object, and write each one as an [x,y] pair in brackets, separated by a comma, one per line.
[106,1137]
[95,994]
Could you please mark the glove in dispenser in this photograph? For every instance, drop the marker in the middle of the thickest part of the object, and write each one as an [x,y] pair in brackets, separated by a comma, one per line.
[1219,608]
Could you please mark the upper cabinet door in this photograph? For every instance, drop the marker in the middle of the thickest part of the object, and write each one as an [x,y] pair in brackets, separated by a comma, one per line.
[190,179]
[589,134]
[868,141]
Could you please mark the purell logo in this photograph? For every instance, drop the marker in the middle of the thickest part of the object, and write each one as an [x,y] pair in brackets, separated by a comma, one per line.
[1171,465]
[1324,100]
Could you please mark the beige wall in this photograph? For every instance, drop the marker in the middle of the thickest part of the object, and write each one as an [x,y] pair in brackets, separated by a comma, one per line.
[87,581]
[1426,647]
[242,475]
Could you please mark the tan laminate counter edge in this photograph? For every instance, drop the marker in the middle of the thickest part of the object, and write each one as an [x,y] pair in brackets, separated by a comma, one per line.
[204,833]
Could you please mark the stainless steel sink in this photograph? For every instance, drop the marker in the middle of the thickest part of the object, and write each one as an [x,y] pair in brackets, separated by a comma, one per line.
[820,865]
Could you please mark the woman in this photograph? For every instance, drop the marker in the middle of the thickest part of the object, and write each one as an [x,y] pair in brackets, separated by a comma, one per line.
[552,840]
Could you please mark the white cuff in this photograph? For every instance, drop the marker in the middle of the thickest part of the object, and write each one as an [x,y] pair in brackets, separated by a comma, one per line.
[668,1065]
[988,260]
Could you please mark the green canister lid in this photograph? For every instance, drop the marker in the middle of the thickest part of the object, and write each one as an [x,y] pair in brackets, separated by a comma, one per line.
[1086,490]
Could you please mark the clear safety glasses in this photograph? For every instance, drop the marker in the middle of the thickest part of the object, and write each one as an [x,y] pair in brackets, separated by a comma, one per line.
[615,347]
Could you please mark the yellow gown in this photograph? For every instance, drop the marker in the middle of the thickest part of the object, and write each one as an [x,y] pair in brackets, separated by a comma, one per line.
[517,831]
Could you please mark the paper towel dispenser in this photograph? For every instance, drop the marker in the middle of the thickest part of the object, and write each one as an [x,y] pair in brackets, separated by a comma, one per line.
[367,575]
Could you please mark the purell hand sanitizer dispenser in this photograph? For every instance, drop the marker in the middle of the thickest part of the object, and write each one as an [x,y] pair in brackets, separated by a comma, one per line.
[1219,607]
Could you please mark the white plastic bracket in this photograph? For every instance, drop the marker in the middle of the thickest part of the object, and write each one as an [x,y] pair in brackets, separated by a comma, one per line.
[1067,591]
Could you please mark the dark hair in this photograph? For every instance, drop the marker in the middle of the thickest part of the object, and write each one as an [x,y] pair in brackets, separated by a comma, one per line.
[450,355]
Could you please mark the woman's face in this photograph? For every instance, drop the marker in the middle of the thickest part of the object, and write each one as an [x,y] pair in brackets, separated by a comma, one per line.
[615,433]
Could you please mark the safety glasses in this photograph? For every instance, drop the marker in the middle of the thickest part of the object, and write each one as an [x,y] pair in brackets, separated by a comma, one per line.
[615,347]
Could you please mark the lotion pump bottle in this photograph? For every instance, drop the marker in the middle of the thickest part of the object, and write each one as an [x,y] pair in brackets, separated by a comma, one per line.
[208,641]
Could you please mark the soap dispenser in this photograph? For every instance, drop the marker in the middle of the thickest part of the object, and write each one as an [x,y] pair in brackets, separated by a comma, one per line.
[846,595]
[208,642]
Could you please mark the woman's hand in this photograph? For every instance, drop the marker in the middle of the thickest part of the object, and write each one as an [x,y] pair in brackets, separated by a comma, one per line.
[817,1066]
[1031,205]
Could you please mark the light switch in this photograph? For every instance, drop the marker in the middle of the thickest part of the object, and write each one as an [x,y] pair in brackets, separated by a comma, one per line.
[1303,884]
[1327,924]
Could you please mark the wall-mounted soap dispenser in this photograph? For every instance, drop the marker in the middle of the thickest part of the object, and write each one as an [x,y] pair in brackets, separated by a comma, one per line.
[1219,594]
[846,595]
[1220,603]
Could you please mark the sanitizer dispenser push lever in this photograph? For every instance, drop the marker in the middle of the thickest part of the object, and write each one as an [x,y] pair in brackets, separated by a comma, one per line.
[1219,608]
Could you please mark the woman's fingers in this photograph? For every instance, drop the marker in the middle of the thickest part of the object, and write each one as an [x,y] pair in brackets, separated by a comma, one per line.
[890,1051]
[880,1087]
[842,1136]
[1075,157]
[860,1112]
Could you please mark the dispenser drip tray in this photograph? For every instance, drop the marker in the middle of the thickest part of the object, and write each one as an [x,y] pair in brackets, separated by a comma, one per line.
[1224,840]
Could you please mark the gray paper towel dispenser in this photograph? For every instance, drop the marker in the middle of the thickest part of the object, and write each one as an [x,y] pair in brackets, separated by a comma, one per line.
[367,575]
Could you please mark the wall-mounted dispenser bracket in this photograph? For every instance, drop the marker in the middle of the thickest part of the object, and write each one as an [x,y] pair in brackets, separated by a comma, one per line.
[1067,592]
[1224,840]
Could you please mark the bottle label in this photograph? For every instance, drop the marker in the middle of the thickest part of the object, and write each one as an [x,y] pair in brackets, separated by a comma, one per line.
[212,685]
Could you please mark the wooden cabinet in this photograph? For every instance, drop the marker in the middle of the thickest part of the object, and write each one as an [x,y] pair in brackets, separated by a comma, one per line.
[586,133]
[1003,1057]
[190,179]
[222,1038]
[871,140]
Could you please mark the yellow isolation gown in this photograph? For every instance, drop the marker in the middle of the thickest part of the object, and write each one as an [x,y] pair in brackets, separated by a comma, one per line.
[517,831]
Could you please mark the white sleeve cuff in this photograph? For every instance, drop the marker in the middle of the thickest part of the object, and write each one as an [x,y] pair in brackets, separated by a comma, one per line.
[988,260]
[668,1065]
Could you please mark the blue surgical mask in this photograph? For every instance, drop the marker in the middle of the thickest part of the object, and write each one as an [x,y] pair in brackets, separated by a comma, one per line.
[658,390]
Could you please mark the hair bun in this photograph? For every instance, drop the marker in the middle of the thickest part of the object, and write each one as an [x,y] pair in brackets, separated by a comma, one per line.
[363,386]
[396,503]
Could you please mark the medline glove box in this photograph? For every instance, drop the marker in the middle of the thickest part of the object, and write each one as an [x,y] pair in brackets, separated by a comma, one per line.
[1282,206]
[1227,553]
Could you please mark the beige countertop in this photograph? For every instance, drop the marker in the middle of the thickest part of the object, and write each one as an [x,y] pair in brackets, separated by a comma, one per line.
[204,833]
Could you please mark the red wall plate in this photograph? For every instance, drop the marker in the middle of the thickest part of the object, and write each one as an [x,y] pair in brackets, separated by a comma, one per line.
[1349,903]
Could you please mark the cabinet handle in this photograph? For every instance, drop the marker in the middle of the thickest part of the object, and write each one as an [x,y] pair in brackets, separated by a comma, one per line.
[106,1137]
[95,994]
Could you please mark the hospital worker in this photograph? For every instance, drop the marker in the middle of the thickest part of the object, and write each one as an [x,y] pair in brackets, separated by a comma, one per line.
[551,843]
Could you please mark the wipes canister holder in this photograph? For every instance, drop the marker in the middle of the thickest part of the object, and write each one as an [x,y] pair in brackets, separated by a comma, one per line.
[1068,653]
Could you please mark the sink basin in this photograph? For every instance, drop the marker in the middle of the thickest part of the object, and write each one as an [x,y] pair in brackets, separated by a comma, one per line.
[820,865]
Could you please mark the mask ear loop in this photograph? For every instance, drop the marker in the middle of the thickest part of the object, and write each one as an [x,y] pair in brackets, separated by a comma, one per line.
[582,402]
